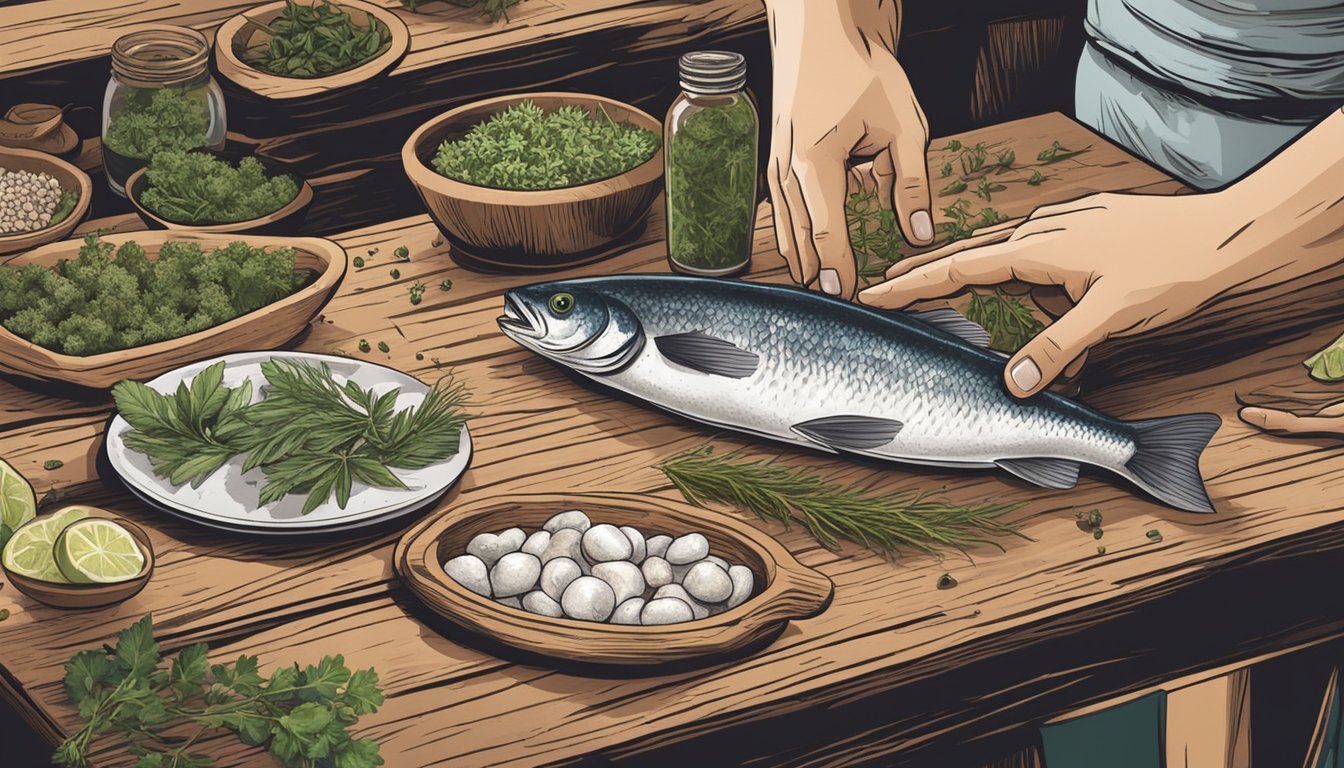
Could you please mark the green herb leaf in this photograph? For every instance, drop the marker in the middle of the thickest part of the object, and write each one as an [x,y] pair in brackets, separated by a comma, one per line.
[1009,321]
[1328,364]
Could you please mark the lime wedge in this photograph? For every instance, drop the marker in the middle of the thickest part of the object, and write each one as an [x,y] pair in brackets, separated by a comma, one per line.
[18,503]
[96,551]
[29,552]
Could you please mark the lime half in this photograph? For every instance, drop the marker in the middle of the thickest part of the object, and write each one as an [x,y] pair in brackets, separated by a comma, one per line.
[97,551]
[30,551]
[18,503]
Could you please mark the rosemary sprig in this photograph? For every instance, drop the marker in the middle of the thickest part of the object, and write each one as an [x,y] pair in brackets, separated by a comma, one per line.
[1009,320]
[883,522]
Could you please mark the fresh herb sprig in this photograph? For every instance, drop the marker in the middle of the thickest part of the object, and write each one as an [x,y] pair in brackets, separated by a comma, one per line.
[874,235]
[317,40]
[1008,319]
[159,709]
[883,522]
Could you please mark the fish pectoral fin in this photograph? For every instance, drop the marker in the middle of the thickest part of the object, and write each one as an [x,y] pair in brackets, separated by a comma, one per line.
[854,433]
[1043,471]
[702,352]
[953,322]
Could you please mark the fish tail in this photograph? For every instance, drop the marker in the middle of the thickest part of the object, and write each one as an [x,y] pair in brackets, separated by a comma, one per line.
[1166,459]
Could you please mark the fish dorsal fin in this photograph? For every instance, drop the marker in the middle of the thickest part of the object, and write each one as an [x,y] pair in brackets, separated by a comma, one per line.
[1043,471]
[702,352]
[953,322]
[854,433]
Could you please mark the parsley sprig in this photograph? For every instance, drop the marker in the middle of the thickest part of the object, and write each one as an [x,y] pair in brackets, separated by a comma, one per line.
[301,715]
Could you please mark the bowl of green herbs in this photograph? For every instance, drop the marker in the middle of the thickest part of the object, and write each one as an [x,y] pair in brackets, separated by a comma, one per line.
[537,181]
[207,192]
[296,48]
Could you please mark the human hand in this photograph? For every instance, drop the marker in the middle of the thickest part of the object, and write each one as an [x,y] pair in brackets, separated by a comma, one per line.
[840,95]
[1327,422]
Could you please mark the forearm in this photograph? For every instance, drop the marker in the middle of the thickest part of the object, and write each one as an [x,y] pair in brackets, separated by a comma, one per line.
[873,23]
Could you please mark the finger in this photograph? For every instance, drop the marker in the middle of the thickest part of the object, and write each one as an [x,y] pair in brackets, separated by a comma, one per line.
[1284,423]
[783,225]
[800,231]
[1335,409]
[936,279]
[987,236]
[1076,367]
[823,189]
[1069,206]
[1042,359]
[905,165]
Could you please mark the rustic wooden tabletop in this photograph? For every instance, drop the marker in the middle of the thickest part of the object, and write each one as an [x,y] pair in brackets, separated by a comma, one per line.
[894,672]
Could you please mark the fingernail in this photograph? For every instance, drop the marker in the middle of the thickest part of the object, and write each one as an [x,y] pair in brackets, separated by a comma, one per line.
[922,225]
[830,281]
[1026,375]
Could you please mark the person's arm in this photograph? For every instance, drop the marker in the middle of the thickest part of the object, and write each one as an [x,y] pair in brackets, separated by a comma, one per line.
[839,95]
[1131,263]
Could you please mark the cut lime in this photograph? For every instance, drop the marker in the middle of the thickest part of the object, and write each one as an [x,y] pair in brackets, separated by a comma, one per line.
[97,551]
[29,552]
[18,503]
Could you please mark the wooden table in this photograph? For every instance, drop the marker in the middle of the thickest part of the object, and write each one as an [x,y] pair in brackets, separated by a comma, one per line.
[896,671]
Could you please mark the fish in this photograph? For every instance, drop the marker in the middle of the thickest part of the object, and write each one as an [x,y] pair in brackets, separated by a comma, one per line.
[795,366]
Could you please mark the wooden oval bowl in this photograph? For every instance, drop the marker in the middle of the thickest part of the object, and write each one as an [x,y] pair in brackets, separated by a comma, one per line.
[267,328]
[237,33]
[509,230]
[82,596]
[287,218]
[68,175]
[785,589]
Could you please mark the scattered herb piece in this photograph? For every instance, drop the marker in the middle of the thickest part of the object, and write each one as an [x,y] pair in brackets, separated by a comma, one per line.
[955,188]
[711,186]
[947,581]
[402,253]
[830,511]
[445,285]
[1101,550]
[1328,364]
[52,464]
[1154,535]
[874,236]
[383,347]
[315,40]
[1005,159]
[952,146]
[1008,319]
[373,251]
[946,170]
[396,274]
[419,355]
[144,703]
[359,262]
[959,227]
[985,190]
[364,345]
[1058,152]
[64,206]
[1036,178]
[417,292]
[197,188]
[4,614]
[1097,533]
[973,160]
[152,120]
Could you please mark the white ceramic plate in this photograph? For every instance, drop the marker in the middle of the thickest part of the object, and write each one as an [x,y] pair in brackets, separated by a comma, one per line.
[228,498]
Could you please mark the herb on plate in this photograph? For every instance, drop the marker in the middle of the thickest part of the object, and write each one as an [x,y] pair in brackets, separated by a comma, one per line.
[317,40]
[159,709]
[830,511]
[1008,319]
[153,120]
[309,435]
[197,188]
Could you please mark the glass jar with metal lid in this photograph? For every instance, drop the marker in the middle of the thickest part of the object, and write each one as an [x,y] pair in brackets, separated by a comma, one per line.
[161,96]
[709,148]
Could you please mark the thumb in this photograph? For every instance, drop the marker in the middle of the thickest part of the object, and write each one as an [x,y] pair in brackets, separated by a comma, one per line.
[1044,358]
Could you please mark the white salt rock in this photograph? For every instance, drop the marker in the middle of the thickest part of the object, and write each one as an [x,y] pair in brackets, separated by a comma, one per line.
[687,549]
[708,583]
[605,543]
[656,546]
[628,611]
[588,598]
[536,543]
[623,576]
[744,581]
[514,574]
[657,572]
[492,546]
[558,574]
[470,572]
[512,602]
[638,547]
[665,610]
[698,609]
[574,518]
[540,603]
[565,542]
[719,561]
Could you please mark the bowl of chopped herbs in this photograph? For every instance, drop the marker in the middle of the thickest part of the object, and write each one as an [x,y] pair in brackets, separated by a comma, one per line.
[296,48]
[537,181]
[42,199]
[206,192]
[133,305]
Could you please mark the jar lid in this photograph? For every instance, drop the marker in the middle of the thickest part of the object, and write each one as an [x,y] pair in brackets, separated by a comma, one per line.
[713,72]
[160,56]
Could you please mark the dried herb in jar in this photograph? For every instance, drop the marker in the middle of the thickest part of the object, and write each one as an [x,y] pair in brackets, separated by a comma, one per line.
[711,187]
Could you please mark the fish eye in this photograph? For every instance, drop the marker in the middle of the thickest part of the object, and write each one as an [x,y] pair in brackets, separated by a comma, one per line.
[562,303]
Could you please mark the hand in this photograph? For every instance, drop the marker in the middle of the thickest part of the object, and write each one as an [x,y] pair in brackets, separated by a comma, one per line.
[840,95]
[1328,421]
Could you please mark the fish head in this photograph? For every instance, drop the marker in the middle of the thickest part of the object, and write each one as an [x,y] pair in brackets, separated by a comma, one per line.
[573,324]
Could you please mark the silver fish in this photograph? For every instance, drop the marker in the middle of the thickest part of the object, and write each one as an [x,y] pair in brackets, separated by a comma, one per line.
[795,366]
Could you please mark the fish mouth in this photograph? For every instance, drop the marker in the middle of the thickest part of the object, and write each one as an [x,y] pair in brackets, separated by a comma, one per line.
[518,320]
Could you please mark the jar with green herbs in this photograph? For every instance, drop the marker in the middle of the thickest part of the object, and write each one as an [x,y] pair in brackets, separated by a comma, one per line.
[161,96]
[710,166]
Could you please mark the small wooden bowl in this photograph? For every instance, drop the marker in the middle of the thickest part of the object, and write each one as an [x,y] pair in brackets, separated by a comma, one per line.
[236,34]
[786,589]
[68,175]
[82,596]
[267,328]
[287,218]
[509,230]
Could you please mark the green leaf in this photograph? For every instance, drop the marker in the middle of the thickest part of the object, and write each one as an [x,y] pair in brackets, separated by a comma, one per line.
[1328,364]
[324,681]
[136,651]
[151,760]
[253,728]
[362,692]
[188,671]
[89,670]
[358,754]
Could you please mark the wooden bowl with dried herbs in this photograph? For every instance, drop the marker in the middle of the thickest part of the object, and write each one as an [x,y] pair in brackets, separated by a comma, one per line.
[204,191]
[137,304]
[45,196]
[537,181]
[300,48]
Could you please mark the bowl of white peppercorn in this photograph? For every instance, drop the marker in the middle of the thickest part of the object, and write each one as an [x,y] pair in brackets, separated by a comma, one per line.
[607,579]
[42,199]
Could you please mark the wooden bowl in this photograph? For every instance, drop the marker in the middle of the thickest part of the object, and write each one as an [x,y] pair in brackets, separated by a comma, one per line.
[786,589]
[235,35]
[284,219]
[68,175]
[510,230]
[266,328]
[79,596]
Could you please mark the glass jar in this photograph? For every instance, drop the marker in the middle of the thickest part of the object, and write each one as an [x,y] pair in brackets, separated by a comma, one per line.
[161,96]
[709,147]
